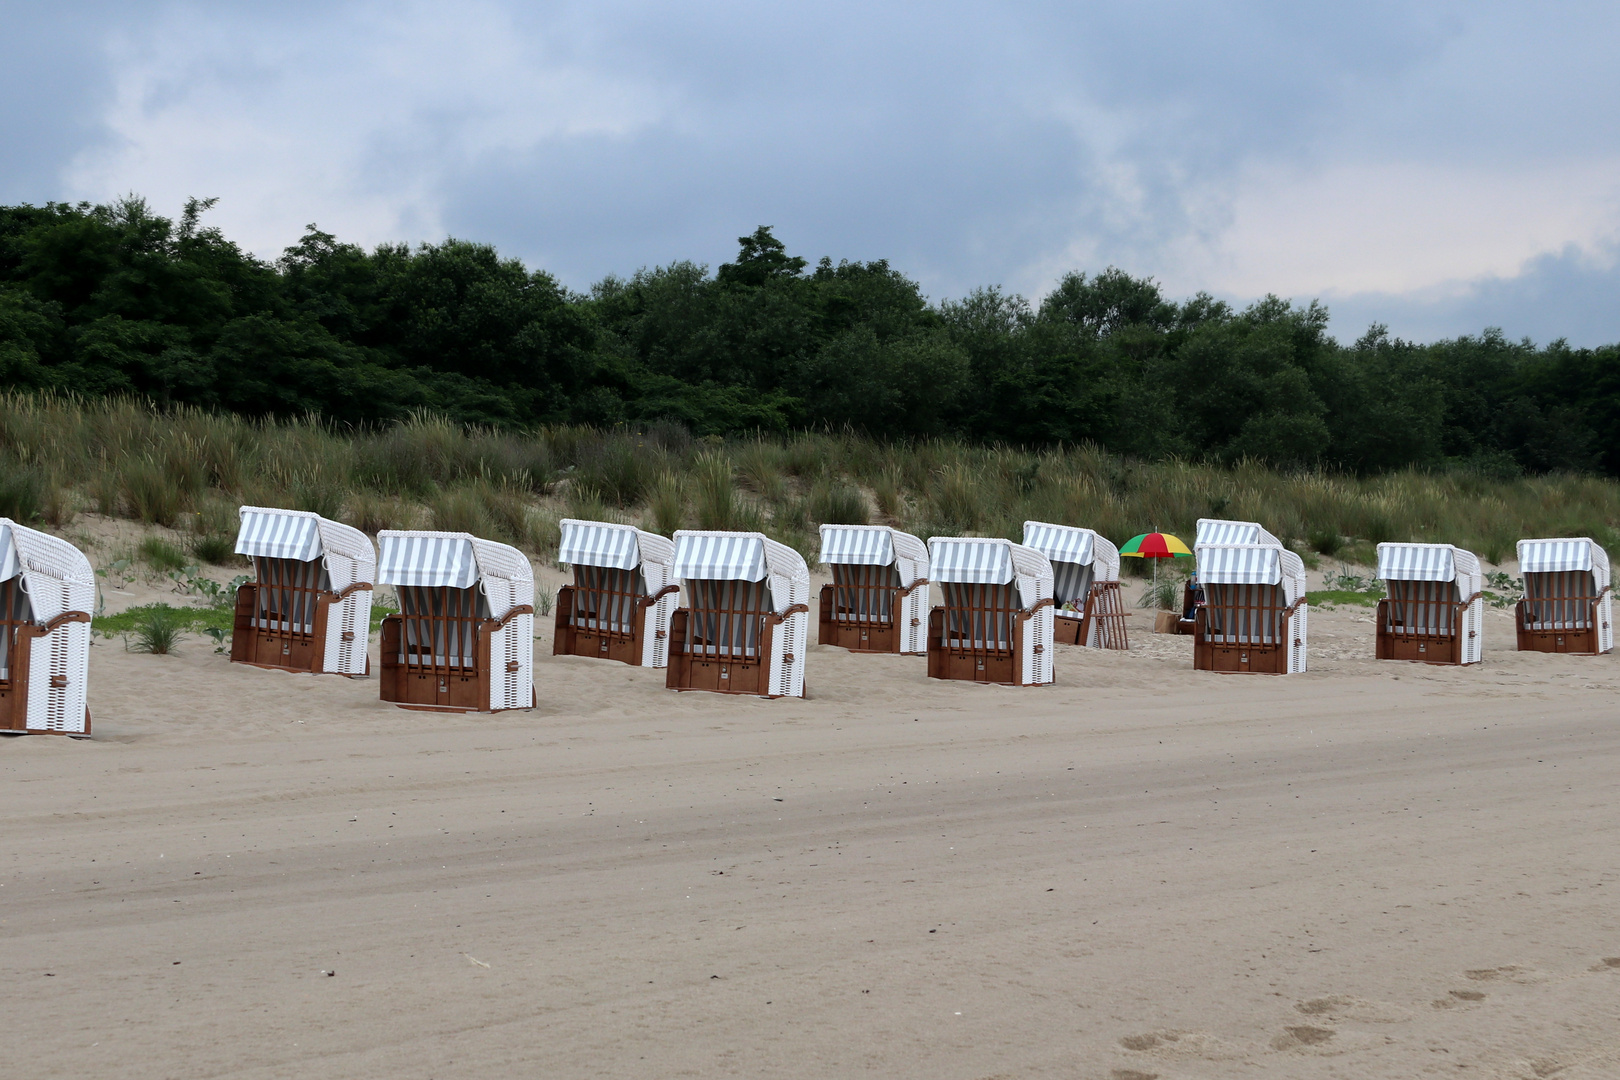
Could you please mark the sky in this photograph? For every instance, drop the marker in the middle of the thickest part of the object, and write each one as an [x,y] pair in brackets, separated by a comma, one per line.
[1437,167]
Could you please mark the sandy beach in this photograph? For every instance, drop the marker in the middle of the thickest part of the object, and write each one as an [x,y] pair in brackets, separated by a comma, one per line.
[1371,870]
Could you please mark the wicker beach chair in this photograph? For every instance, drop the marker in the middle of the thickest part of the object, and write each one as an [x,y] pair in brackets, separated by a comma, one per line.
[996,625]
[878,599]
[622,598]
[1567,605]
[1085,585]
[1434,612]
[47,591]
[309,606]
[1254,617]
[463,640]
[745,622]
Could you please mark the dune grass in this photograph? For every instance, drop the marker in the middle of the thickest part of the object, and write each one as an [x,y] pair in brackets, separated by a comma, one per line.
[190,470]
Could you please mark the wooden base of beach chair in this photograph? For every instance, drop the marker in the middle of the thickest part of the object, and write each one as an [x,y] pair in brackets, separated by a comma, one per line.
[1235,657]
[423,688]
[1582,641]
[863,635]
[283,650]
[25,638]
[1415,647]
[571,640]
[1000,667]
[694,666]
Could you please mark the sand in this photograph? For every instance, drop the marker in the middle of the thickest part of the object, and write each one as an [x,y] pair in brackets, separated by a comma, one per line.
[1371,870]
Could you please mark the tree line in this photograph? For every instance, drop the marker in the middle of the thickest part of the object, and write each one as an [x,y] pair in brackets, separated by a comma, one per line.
[102,300]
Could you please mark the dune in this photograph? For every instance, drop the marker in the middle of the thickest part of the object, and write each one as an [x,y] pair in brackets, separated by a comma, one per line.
[1371,870]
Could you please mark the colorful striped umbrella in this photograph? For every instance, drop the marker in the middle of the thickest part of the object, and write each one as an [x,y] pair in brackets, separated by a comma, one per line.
[1155,545]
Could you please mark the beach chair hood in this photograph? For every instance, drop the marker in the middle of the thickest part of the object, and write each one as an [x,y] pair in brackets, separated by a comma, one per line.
[1431,562]
[985,560]
[1553,556]
[1221,531]
[875,545]
[743,556]
[1252,564]
[1070,544]
[296,534]
[619,547]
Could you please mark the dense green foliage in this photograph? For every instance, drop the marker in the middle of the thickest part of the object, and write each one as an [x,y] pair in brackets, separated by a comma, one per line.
[116,300]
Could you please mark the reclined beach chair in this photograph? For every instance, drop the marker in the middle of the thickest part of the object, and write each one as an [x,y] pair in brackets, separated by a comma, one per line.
[1085,585]
[309,607]
[745,625]
[996,623]
[463,640]
[47,591]
[878,598]
[1254,614]
[622,598]
[1434,612]
[1567,604]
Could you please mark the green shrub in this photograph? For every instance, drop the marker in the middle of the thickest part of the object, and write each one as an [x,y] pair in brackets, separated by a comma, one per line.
[22,492]
[151,493]
[666,506]
[161,555]
[157,632]
[216,548]
[833,502]
[1326,541]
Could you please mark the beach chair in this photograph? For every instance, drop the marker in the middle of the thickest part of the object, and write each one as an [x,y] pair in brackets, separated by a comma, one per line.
[1254,616]
[1567,605]
[1090,610]
[622,598]
[878,599]
[309,606]
[47,591]
[745,624]
[463,640]
[1434,612]
[996,625]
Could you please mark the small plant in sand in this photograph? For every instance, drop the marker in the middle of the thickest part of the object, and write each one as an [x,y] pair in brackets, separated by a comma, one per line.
[157,632]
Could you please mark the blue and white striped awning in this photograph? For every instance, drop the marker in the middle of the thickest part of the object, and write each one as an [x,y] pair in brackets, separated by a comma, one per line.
[279,534]
[1060,543]
[974,561]
[1554,556]
[1416,562]
[599,543]
[9,567]
[1217,531]
[437,561]
[708,557]
[858,545]
[1239,564]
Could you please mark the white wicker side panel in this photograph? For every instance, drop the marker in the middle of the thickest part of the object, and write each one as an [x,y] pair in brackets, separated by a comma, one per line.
[1605,623]
[655,641]
[790,638]
[348,625]
[1473,631]
[914,621]
[512,687]
[61,656]
[1039,647]
[1298,639]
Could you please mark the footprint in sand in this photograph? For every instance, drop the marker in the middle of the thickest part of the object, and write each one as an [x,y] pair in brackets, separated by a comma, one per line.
[1361,1010]
[1132,1074]
[1608,963]
[1181,1044]
[1302,1035]
[1458,997]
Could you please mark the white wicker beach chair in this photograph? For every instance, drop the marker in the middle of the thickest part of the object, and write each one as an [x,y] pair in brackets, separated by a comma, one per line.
[309,607]
[464,638]
[878,599]
[622,598]
[744,624]
[47,591]
[1434,612]
[1567,605]
[1090,609]
[996,625]
[1254,617]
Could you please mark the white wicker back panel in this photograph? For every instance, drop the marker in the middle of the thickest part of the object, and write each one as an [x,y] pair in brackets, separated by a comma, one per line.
[1297,640]
[1605,623]
[1473,632]
[505,576]
[63,653]
[512,689]
[351,617]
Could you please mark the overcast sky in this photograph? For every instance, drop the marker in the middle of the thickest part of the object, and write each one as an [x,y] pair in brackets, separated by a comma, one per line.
[1439,167]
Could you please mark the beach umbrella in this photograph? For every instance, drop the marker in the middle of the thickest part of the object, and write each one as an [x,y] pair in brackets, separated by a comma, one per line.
[1155,545]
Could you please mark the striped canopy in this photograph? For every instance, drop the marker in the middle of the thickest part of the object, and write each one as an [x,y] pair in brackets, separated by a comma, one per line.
[599,543]
[711,557]
[1416,562]
[8,554]
[1555,556]
[970,560]
[1219,531]
[857,545]
[279,534]
[1239,564]
[437,560]
[1060,543]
